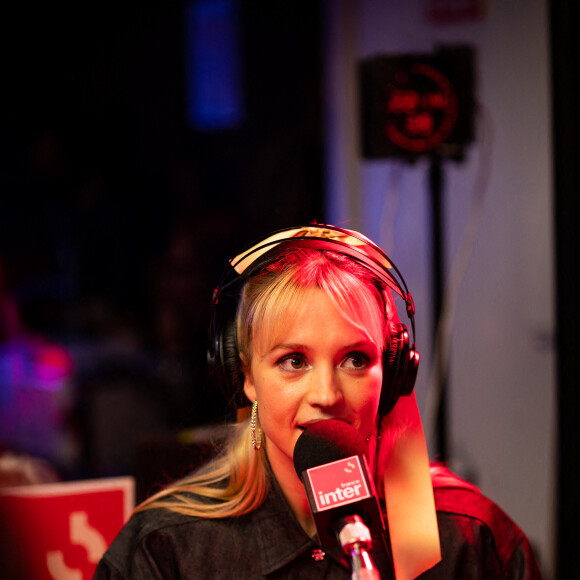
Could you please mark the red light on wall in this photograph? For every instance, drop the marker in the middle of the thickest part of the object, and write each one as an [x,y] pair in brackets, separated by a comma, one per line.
[418,125]
[426,124]
[435,100]
[417,104]
[399,101]
[454,11]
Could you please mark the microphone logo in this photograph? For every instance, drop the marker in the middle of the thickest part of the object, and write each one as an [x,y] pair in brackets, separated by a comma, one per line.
[349,467]
[338,483]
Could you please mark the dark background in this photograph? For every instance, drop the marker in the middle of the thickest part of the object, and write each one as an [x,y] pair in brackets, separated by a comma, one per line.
[566,124]
[100,169]
[117,216]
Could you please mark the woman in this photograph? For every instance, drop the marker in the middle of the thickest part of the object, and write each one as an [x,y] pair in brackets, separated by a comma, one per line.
[316,337]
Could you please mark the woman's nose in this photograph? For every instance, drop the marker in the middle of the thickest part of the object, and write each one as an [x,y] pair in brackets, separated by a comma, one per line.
[325,389]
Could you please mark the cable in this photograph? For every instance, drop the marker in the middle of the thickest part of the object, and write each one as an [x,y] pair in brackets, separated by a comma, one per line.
[442,339]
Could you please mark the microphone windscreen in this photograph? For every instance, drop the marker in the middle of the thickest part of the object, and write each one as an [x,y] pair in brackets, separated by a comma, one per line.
[327,441]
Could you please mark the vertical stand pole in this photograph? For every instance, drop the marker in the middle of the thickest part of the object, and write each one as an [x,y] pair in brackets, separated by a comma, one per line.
[438,276]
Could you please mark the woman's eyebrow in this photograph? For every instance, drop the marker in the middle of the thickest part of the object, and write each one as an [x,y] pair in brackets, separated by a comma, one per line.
[289,346]
[300,346]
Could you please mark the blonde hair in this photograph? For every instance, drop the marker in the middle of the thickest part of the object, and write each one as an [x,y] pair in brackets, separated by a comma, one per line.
[278,293]
[236,482]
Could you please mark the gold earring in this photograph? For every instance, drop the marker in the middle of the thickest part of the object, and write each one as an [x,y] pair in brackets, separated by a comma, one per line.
[255,429]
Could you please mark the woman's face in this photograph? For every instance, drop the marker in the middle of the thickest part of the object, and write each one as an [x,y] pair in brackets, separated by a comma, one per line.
[320,367]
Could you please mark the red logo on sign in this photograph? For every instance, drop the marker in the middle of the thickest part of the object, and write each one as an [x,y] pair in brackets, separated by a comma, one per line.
[59,531]
[338,483]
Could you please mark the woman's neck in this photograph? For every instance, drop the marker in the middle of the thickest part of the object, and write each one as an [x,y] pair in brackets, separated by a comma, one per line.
[294,491]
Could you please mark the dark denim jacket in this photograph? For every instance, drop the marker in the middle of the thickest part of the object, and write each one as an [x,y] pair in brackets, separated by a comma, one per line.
[478,541]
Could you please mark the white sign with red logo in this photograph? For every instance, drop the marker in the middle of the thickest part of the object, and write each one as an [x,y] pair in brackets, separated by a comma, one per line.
[60,531]
[338,483]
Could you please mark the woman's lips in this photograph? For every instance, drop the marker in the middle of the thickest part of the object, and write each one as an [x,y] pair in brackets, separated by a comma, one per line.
[303,426]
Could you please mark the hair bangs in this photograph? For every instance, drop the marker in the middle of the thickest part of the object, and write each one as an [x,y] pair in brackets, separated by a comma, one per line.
[275,296]
[278,306]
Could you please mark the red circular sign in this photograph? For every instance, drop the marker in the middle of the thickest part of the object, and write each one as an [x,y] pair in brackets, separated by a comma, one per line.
[421,109]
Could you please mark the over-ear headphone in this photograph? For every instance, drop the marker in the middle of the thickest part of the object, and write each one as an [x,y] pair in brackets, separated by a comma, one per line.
[400,358]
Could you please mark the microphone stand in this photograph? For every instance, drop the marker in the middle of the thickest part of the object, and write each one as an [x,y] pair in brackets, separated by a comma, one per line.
[355,539]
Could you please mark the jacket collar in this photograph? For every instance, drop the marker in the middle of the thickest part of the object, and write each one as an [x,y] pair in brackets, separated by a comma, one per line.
[279,537]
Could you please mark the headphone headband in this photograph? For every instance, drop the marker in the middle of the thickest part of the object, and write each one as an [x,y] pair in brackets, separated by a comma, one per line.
[326,237]
[331,233]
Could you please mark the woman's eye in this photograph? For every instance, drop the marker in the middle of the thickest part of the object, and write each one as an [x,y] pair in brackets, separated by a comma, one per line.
[292,362]
[356,360]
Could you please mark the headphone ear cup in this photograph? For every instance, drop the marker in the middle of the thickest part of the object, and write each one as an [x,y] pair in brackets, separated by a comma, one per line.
[224,364]
[400,364]
[231,367]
